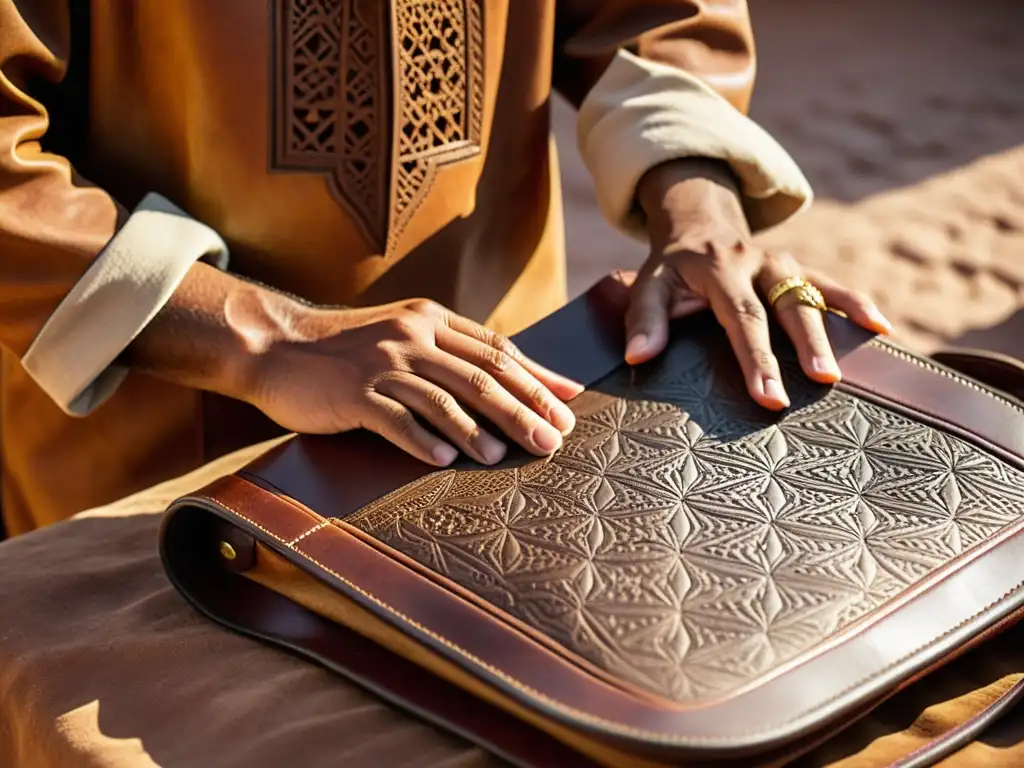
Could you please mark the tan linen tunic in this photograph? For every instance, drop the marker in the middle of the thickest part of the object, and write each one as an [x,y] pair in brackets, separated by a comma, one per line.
[347,151]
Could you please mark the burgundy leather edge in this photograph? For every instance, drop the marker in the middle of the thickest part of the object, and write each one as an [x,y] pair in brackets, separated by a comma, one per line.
[877,658]
[187,547]
[927,388]
[994,369]
[959,737]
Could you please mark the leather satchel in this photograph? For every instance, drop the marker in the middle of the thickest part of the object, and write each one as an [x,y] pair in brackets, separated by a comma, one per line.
[690,579]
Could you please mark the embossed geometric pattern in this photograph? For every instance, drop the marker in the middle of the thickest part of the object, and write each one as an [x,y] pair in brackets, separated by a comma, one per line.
[685,542]
[339,66]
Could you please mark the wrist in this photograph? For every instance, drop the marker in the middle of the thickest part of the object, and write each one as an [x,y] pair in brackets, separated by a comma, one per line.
[218,333]
[682,196]
[265,327]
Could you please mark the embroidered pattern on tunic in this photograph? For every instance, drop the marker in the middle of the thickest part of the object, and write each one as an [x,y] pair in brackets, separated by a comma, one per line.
[376,96]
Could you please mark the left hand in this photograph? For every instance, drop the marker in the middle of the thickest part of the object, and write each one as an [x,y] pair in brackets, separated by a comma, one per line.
[702,255]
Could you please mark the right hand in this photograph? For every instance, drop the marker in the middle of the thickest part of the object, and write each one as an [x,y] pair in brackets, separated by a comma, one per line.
[378,368]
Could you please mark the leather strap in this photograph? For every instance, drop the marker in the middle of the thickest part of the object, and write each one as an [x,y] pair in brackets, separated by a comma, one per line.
[963,734]
[992,368]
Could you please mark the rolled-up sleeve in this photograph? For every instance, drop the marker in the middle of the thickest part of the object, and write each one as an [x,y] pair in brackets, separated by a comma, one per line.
[73,358]
[80,275]
[662,81]
[642,113]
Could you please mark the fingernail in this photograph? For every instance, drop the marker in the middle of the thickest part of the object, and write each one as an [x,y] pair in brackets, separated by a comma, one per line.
[562,418]
[774,390]
[636,346]
[444,454]
[491,448]
[876,317]
[825,366]
[547,438]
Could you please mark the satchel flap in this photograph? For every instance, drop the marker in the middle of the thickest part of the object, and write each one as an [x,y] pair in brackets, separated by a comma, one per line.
[689,572]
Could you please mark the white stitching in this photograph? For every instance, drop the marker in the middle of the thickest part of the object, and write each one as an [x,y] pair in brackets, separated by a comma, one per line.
[886,346]
[314,529]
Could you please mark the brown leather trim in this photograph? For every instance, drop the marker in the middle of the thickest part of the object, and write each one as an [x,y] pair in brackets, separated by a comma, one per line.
[963,734]
[873,659]
[994,369]
[188,548]
[926,388]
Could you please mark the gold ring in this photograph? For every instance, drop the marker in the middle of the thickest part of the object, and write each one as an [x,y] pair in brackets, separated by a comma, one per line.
[804,292]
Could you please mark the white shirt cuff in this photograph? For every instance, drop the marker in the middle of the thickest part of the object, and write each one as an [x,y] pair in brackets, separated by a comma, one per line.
[72,357]
[642,113]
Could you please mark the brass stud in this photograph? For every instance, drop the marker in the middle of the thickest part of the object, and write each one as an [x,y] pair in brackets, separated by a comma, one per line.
[227,551]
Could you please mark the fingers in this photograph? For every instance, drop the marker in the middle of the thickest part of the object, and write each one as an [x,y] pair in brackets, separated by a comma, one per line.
[854,304]
[489,343]
[804,325]
[482,392]
[685,304]
[442,410]
[648,314]
[395,422]
[502,361]
[739,310]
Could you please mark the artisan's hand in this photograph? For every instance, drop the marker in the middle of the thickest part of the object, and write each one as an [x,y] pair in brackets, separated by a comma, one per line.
[378,368]
[702,255]
[322,371]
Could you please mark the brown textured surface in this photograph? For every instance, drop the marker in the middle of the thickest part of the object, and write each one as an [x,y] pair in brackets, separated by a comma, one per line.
[908,119]
[685,543]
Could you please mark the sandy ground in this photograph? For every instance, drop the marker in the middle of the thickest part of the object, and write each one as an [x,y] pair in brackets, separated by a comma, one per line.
[908,118]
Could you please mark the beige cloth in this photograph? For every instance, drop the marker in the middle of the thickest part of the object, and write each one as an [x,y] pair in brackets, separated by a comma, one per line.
[73,359]
[104,665]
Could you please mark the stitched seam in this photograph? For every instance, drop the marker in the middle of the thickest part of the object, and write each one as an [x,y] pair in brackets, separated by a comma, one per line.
[314,529]
[611,726]
[907,357]
[945,738]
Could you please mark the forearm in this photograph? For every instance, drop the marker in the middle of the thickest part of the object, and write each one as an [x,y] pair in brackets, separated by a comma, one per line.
[215,331]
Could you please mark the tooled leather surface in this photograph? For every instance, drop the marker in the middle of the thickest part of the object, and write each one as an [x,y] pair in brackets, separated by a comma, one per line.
[688,544]
[378,115]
